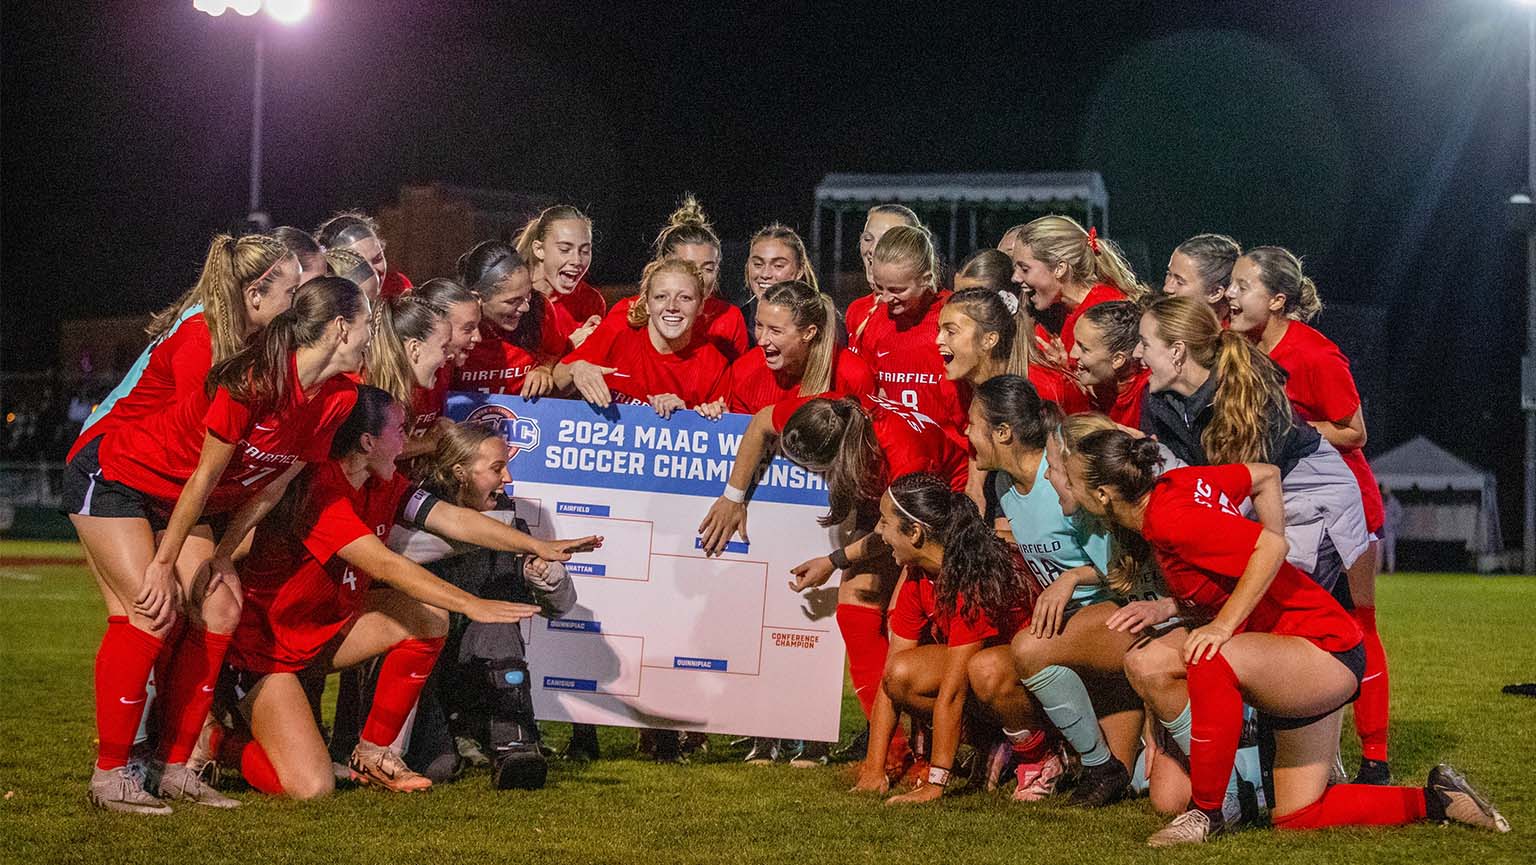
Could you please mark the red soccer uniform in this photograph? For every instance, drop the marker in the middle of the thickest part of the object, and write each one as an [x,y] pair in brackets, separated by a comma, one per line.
[1203,545]
[495,365]
[571,311]
[1100,293]
[720,321]
[427,403]
[299,594]
[916,615]
[157,455]
[1058,387]
[859,313]
[642,372]
[1122,402]
[1321,387]
[395,284]
[908,367]
[912,442]
[750,385]
[176,363]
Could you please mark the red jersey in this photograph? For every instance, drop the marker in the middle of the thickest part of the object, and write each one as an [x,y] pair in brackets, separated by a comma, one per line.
[1058,387]
[1122,400]
[1322,388]
[157,455]
[395,284]
[175,363]
[1203,545]
[908,367]
[299,594]
[427,403]
[643,372]
[750,385]
[572,310]
[495,365]
[859,313]
[912,442]
[721,322]
[1100,293]
[916,615]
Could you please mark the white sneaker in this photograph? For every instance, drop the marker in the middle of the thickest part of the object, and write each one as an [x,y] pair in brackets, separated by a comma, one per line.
[1191,827]
[119,790]
[178,781]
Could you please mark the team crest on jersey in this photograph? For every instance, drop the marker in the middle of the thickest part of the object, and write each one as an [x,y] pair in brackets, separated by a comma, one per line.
[520,433]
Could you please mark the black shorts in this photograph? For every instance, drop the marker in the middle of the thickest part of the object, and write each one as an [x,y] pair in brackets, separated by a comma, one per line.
[1354,659]
[235,683]
[88,493]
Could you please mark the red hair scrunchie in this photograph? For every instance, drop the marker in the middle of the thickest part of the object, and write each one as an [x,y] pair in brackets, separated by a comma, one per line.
[1093,239]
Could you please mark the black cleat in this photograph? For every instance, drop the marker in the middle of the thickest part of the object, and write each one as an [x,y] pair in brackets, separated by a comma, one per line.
[1101,785]
[519,767]
[1521,689]
[1376,772]
[1449,797]
[582,746]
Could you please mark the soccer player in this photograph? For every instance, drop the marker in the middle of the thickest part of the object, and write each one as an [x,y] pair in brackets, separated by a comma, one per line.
[136,492]
[519,342]
[880,219]
[775,254]
[1270,636]
[1271,303]
[308,609]
[1201,267]
[1058,265]
[899,339]
[355,269]
[1009,431]
[983,334]
[409,348]
[1215,398]
[968,592]
[301,243]
[689,236]
[557,246]
[1105,363]
[360,233]
[658,355]
[797,354]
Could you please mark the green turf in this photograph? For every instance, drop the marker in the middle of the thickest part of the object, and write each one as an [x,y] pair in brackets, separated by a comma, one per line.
[1454,640]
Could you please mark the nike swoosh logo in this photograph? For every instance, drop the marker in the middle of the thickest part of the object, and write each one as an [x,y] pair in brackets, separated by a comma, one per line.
[265,428]
[419,675]
[127,702]
[1198,739]
[881,353]
[207,689]
[1370,677]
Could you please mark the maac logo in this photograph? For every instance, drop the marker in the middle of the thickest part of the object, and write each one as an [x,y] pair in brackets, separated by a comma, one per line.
[520,433]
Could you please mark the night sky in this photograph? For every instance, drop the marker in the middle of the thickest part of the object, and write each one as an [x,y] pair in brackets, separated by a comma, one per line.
[1377,139]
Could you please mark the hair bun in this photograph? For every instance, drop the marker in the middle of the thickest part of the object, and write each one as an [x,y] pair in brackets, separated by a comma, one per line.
[1147,453]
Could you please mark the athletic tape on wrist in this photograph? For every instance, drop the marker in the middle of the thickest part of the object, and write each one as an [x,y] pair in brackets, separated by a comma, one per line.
[732,494]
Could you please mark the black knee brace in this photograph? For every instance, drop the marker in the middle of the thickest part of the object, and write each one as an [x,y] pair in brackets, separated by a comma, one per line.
[517,761]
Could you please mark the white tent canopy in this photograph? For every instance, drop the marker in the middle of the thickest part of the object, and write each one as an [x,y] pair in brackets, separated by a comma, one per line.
[952,199]
[1450,500]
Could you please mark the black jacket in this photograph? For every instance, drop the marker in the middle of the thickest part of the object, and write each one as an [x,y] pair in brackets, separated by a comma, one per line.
[1178,423]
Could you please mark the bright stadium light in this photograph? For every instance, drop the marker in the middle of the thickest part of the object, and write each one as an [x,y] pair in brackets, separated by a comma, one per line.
[212,7]
[288,11]
[246,8]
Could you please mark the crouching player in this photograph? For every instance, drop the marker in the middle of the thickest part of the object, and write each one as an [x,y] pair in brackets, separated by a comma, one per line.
[970,592]
[480,689]
[1271,638]
[308,609]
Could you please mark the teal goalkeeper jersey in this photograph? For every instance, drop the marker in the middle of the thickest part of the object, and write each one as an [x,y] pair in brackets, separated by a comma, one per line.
[1051,542]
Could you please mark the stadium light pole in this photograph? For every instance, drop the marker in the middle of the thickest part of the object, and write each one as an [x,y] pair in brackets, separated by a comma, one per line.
[287,12]
[1523,204]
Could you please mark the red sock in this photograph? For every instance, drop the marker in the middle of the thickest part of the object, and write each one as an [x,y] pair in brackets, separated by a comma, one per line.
[1358,805]
[1216,724]
[1031,749]
[864,637]
[1371,709]
[164,663]
[189,691]
[258,770]
[123,663]
[401,677]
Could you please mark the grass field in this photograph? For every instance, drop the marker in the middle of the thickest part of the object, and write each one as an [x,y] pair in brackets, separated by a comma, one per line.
[1453,640]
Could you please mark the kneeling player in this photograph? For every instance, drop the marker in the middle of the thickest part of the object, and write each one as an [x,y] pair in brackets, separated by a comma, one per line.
[308,606]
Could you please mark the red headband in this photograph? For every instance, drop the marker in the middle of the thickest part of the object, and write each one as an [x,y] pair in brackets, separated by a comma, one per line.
[1093,239]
